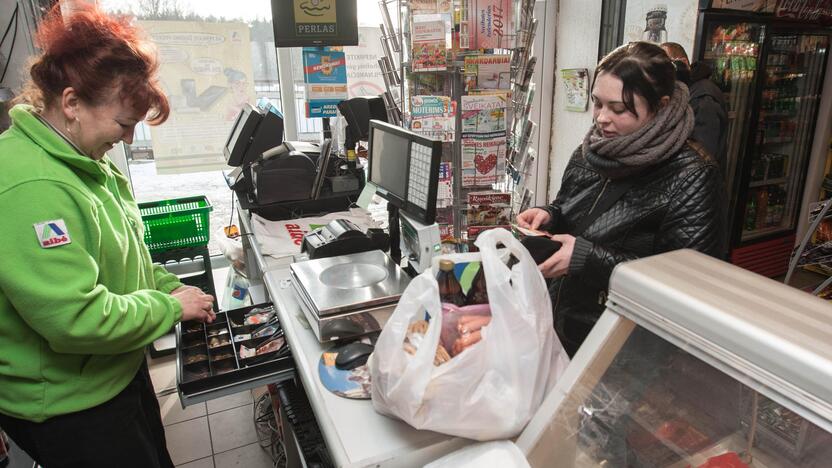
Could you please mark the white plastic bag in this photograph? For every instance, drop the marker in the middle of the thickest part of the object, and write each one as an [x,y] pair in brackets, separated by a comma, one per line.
[491,390]
[497,454]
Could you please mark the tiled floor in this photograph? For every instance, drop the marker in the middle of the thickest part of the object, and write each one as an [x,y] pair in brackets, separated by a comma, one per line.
[216,434]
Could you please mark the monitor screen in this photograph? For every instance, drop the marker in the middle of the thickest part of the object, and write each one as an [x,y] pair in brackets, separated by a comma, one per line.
[241,134]
[389,156]
[405,168]
[301,23]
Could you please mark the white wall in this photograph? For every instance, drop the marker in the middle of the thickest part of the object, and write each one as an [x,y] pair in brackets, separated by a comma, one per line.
[578,28]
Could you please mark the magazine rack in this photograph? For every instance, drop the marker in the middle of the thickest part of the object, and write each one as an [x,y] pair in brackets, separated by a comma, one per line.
[447,80]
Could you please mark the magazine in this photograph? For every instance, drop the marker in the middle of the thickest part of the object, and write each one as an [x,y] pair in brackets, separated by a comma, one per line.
[484,139]
[489,71]
[433,117]
[445,188]
[484,113]
[488,208]
[429,6]
[487,25]
[429,44]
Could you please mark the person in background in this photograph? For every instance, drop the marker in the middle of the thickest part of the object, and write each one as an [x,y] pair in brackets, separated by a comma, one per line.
[80,298]
[710,110]
[662,191]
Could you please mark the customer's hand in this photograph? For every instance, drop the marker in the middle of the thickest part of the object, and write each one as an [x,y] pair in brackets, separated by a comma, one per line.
[196,305]
[533,218]
[558,264]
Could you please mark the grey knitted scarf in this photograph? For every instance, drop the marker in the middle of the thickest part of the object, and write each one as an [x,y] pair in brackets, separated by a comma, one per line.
[627,155]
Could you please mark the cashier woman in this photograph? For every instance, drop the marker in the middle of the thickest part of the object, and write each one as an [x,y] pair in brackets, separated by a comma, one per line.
[666,190]
[79,296]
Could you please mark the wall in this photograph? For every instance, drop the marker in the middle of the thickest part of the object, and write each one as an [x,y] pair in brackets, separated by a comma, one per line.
[577,31]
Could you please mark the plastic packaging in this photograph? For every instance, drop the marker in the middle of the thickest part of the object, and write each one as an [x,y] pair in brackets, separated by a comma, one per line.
[490,390]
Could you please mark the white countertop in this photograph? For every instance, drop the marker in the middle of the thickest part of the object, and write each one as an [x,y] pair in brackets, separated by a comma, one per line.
[355,434]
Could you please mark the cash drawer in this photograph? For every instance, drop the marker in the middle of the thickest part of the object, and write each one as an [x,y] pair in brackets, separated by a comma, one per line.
[242,349]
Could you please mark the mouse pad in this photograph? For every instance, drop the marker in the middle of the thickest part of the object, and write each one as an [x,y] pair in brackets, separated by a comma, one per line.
[353,384]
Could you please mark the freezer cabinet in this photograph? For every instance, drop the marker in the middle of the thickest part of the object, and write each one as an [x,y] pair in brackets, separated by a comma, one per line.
[695,363]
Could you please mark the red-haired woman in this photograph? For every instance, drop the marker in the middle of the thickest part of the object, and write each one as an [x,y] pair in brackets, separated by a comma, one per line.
[79,296]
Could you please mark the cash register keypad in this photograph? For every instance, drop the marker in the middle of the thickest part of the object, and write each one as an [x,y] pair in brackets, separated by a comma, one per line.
[417,186]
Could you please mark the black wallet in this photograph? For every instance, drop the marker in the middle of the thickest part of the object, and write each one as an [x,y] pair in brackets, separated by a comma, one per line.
[540,247]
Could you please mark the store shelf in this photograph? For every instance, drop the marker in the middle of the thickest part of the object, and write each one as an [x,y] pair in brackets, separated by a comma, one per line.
[763,183]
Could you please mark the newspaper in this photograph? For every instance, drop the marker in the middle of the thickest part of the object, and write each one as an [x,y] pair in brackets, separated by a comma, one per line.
[433,117]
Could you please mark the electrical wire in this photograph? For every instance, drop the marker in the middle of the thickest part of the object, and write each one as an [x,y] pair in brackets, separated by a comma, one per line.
[14,19]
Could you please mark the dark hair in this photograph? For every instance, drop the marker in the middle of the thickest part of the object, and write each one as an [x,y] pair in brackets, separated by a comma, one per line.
[682,71]
[95,53]
[676,50]
[644,69]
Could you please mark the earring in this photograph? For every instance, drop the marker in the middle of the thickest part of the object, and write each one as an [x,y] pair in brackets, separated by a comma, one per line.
[67,126]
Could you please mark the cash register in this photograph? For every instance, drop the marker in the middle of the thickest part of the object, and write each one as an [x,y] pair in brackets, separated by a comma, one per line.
[350,295]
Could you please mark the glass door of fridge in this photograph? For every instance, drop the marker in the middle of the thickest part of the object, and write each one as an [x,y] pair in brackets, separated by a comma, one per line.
[789,101]
[732,49]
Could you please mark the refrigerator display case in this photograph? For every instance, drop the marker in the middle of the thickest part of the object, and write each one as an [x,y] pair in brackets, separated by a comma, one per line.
[772,75]
[695,363]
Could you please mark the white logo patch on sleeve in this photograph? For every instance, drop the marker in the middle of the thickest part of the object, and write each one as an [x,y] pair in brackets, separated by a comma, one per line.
[52,233]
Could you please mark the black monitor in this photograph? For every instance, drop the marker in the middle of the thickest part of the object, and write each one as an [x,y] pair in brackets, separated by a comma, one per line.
[256,129]
[404,166]
[358,112]
[314,23]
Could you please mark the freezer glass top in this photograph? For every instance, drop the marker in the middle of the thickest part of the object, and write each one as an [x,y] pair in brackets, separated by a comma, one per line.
[650,403]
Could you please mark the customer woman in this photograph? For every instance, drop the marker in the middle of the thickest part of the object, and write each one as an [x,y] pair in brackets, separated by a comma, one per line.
[79,296]
[635,187]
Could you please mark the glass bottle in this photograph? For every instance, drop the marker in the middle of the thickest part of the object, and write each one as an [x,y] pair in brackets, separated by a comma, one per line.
[654,29]
[449,289]
[478,293]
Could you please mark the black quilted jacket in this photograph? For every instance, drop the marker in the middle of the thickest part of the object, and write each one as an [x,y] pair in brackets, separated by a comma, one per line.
[680,203]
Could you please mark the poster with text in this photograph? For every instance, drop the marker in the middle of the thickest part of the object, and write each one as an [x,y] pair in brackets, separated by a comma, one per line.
[207,81]
[325,75]
[363,74]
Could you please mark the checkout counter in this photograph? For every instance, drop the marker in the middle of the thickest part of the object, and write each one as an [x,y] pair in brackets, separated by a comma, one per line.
[355,435]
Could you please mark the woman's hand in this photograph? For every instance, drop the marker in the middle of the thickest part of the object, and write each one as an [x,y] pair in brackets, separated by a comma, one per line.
[558,264]
[196,305]
[533,218]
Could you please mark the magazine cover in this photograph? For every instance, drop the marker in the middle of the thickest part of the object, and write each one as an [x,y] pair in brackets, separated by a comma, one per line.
[483,160]
[433,117]
[429,6]
[429,45]
[445,188]
[491,24]
[325,75]
[489,208]
[484,113]
[490,71]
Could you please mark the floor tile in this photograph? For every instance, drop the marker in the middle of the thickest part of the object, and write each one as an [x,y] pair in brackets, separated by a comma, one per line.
[232,428]
[163,373]
[173,413]
[228,402]
[207,462]
[188,441]
[256,393]
[249,456]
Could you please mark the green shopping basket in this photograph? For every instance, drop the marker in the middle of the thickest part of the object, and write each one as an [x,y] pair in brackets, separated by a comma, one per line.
[176,224]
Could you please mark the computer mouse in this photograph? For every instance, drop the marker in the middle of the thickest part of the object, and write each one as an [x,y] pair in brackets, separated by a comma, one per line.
[338,329]
[353,355]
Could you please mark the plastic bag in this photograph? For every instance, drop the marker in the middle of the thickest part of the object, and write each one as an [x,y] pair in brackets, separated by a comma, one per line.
[232,249]
[491,390]
[497,454]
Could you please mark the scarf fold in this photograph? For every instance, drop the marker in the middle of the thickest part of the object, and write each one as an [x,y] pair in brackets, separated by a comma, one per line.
[628,155]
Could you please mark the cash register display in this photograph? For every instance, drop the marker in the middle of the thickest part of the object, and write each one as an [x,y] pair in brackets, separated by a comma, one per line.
[238,140]
[405,168]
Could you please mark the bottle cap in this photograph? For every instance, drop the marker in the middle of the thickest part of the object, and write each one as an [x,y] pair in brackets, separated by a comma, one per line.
[446,265]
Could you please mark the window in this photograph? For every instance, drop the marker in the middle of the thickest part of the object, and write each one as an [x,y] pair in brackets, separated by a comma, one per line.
[207,80]
[612,26]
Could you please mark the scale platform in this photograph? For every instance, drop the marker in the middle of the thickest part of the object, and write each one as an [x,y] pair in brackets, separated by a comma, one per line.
[348,295]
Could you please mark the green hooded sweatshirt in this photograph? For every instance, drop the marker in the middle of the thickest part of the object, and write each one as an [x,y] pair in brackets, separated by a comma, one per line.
[80,297]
